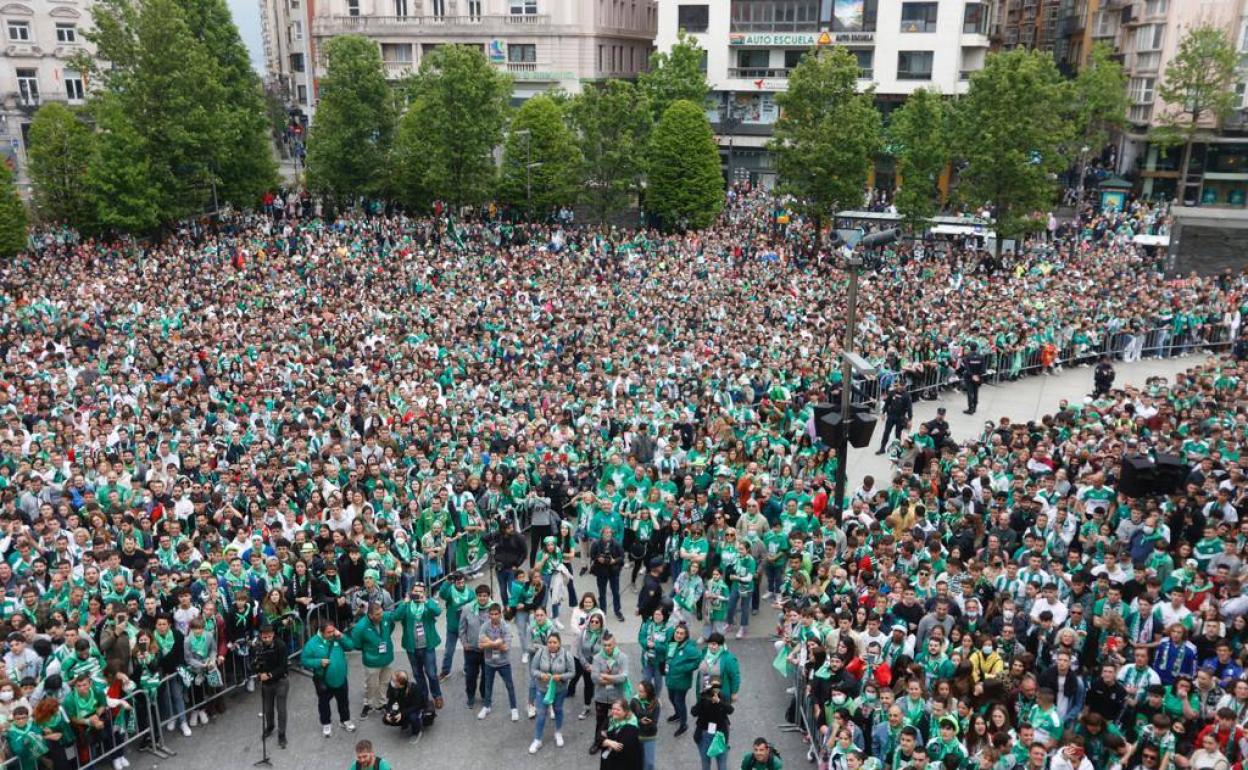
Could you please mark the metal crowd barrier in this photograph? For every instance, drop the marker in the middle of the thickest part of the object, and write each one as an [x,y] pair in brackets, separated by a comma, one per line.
[131,728]
[931,377]
[804,721]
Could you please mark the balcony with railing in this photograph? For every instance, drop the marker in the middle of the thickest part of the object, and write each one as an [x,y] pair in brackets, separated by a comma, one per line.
[754,73]
[478,26]
[397,70]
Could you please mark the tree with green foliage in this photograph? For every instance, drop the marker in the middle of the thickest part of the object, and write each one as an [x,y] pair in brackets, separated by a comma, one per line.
[458,107]
[541,162]
[120,174]
[59,149]
[351,134]
[828,134]
[1198,88]
[676,74]
[1010,129]
[613,124]
[12,216]
[167,85]
[248,170]
[1098,106]
[918,136]
[685,187]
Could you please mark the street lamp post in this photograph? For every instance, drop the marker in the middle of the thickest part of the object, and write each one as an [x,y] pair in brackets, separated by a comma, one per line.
[853,263]
[730,123]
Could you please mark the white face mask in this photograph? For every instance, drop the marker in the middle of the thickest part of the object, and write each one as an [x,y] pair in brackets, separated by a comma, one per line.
[986,649]
[6,695]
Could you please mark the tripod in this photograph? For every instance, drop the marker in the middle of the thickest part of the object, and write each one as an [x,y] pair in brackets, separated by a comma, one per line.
[264,760]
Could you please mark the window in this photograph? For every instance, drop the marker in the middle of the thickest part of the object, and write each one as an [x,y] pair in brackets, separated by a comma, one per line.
[1148,61]
[294,5]
[19,31]
[296,30]
[793,56]
[914,65]
[523,7]
[521,52]
[1155,7]
[866,62]
[1142,90]
[693,18]
[296,62]
[437,8]
[1150,37]
[75,89]
[1106,24]
[753,59]
[66,33]
[28,86]
[974,19]
[400,8]
[918,17]
[474,10]
[396,53]
[303,94]
[353,7]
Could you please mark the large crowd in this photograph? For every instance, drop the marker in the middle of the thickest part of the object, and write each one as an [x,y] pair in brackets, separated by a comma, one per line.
[269,441]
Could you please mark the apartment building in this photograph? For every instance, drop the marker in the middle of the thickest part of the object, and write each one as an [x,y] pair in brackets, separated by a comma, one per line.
[543,44]
[39,38]
[752,45]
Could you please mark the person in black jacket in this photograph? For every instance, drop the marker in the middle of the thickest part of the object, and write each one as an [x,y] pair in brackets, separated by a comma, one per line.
[712,708]
[1106,696]
[509,554]
[406,703]
[606,558]
[170,656]
[898,410]
[272,667]
[650,597]
[621,742]
[974,367]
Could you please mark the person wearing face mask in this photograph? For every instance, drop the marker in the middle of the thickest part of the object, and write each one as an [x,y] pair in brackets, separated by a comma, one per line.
[986,663]
[9,702]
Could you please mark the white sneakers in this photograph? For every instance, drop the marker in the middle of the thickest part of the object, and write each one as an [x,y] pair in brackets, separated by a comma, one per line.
[169,726]
[534,746]
[584,713]
[559,740]
[202,716]
[251,684]
[484,712]
[532,711]
[349,726]
[741,632]
[515,715]
[326,730]
[186,728]
[524,658]
[120,762]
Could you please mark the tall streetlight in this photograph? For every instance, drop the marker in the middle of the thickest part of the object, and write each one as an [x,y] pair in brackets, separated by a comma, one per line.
[529,165]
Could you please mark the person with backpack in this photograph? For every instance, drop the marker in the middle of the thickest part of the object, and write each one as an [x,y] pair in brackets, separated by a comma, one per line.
[764,756]
[366,758]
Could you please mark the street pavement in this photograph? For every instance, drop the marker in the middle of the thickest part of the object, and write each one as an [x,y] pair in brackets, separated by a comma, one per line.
[458,740]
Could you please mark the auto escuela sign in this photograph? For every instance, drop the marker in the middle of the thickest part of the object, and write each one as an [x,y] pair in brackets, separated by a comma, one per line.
[799,39]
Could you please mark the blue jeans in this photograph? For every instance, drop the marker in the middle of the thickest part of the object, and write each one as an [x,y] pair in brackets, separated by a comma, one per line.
[611,581]
[448,657]
[678,705]
[505,576]
[650,673]
[647,753]
[737,600]
[171,701]
[424,663]
[774,573]
[704,743]
[540,727]
[505,673]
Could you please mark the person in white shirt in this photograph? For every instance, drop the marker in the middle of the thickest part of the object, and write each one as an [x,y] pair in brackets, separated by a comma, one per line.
[1048,601]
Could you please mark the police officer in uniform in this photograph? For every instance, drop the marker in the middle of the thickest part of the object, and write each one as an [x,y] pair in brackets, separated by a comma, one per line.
[272,667]
[973,367]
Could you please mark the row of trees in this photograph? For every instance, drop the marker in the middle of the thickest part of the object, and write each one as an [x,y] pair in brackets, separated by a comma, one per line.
[436,136]
[175,123]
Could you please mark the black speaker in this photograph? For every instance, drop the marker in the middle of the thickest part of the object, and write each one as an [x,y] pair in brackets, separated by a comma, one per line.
[1139,476]
[828,426]
[1171,474]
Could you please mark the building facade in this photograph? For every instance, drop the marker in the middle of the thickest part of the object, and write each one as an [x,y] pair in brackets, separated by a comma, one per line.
[40,37]
[752,45]
[543,44]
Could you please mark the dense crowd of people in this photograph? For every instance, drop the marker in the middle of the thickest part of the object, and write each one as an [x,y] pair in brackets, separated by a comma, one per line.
[277,440]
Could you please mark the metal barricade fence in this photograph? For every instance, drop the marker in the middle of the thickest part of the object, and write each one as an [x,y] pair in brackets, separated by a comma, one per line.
[1004,365]
[132,727]
[804,720]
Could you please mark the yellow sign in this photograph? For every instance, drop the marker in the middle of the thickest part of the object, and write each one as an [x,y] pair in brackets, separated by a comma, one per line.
[824,38]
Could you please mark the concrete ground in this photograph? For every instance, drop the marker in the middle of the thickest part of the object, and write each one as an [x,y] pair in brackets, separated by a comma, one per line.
[458,740]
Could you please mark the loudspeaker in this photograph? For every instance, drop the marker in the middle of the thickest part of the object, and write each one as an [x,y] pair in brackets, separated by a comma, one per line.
[881,238]
[1139,476]
[828,426]
[1171,473]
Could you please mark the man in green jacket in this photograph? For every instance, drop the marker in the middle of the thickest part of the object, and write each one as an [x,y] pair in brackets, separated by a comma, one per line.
[366,758]
[456,595]
[326,657]
[372,637]
[418,617]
